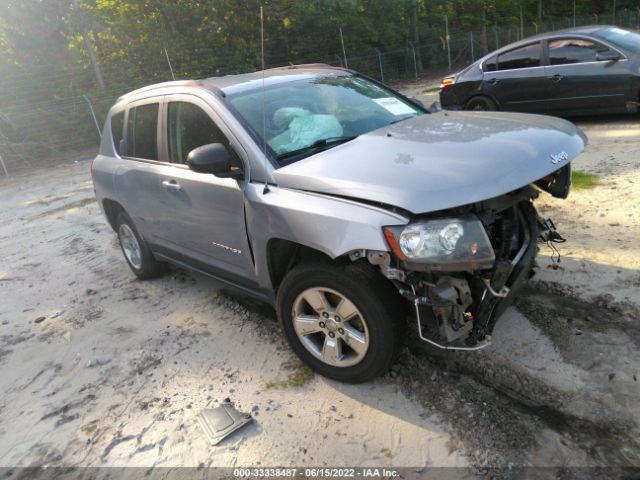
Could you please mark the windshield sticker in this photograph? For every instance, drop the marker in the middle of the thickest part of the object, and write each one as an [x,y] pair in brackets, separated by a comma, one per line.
[393,105]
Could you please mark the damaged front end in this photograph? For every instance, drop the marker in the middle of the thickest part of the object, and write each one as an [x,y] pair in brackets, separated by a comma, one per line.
[460,269]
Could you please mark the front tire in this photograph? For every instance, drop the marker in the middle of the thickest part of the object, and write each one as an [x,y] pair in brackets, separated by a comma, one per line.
[135,250]
[342,321]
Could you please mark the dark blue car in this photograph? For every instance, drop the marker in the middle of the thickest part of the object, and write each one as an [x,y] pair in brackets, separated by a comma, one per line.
[577,71]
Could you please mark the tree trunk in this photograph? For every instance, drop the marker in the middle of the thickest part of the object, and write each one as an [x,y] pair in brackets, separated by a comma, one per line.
[484,39]
[416,34]
[539,10]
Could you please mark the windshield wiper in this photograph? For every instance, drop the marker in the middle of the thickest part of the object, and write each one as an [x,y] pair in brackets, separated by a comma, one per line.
[406,117]
[323,142]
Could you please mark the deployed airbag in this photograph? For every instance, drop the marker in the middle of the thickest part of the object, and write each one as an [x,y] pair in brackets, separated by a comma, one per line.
[303,128]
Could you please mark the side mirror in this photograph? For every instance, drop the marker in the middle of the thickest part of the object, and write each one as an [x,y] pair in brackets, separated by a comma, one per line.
[213,158]
[607,56]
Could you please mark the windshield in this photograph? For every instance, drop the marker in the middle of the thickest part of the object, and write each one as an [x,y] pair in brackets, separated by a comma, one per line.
[622,38]
[305,116]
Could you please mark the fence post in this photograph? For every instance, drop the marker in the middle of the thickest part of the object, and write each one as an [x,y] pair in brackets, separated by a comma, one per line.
[446,39]
[95,120]
[495,29]
[166,54]
[4,167]
[613,22]
[379,56]
[574,13]
[521,24]
[344,52]
[415,63]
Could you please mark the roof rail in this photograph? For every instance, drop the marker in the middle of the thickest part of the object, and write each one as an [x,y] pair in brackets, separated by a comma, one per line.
[175,83]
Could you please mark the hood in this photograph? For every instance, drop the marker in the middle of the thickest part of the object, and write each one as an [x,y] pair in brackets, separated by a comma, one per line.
[439,161]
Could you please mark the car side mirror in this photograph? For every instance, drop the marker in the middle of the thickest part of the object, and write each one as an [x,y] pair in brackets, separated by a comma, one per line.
[213,158]
[607,56]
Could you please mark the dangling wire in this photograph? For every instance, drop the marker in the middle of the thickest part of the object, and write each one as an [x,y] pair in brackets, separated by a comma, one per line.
[555,254]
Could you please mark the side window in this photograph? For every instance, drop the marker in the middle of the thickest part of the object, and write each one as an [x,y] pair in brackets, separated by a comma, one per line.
[523,57]
[491,65]
[142,132]
[117,130]
[190,127]
[573,50]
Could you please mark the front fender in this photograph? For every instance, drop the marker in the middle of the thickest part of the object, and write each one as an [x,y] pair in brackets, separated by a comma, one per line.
[333,226]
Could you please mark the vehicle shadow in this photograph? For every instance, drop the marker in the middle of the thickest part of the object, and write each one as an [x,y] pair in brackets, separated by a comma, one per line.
[628,120]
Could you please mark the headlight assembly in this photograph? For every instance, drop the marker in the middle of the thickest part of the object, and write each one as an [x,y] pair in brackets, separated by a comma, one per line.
[443,244]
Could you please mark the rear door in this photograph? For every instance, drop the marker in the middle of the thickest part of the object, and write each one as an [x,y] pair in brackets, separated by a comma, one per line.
[579,83]
[203,218]
[136,176]
[516,79]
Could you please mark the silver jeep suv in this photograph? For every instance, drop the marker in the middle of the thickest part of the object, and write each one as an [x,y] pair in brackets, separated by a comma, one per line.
[350,208]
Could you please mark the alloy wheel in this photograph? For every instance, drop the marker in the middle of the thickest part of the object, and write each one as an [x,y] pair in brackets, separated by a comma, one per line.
[330,326]
[130,246]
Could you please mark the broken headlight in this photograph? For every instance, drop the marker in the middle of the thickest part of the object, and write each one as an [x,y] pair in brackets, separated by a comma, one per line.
[443,244]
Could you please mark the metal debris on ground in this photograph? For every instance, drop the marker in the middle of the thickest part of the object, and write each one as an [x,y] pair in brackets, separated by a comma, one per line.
[220,422]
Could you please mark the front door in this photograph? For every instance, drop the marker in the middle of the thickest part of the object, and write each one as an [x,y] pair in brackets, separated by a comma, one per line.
[579,83]
[203,217]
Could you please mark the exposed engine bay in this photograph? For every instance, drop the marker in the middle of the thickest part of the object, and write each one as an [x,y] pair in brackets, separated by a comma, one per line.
[456,306]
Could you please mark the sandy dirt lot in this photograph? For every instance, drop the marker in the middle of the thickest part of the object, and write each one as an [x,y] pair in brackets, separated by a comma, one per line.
[100,369]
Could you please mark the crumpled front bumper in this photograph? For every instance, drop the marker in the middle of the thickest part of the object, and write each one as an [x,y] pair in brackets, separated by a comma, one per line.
[458,310]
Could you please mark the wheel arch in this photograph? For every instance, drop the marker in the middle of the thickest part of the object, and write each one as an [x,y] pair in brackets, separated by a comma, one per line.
[283,255]
[111,210]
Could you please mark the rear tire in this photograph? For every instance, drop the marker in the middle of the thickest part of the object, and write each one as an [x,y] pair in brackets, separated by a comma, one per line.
[135,250]
[481,103]
[342,321]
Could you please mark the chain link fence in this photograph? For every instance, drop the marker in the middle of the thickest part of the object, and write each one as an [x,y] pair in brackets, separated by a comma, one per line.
[37,131]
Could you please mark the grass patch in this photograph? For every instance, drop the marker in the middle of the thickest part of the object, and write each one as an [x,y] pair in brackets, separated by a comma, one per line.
[299,375]
[431,90]
[583,180]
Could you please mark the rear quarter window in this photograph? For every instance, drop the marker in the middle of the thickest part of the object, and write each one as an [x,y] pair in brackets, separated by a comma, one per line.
[490,65]
[142,132]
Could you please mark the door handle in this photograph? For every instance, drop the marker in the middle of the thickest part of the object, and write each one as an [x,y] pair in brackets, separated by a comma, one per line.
[556,78]
[171,185]
[493,81]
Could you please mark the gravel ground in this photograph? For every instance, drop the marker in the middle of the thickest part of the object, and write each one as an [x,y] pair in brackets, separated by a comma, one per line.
[100,369]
